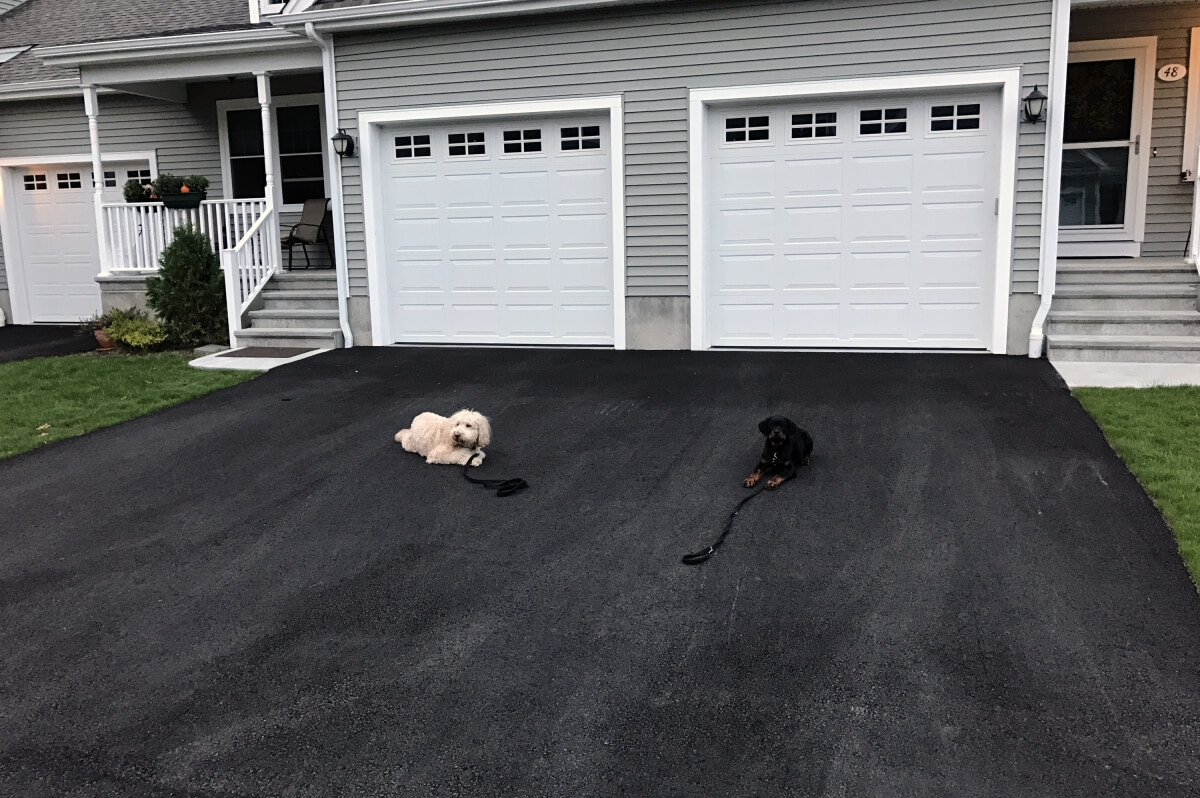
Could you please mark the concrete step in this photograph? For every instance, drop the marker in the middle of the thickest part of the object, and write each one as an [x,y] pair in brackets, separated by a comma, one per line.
[308,337]
[294,317]
[305,281]
[1124,348]
[1125,297]
[309,300]
[1124,322]
[1135,273]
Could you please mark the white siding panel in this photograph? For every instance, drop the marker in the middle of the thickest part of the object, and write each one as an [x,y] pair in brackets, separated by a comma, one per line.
[653,59]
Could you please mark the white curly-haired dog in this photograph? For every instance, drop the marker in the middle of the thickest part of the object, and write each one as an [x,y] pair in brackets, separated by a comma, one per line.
[447,441]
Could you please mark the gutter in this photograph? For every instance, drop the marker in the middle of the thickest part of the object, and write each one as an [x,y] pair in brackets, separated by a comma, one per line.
[41,90]
[188,46]
[341,267]
[1052,174]
[424,12]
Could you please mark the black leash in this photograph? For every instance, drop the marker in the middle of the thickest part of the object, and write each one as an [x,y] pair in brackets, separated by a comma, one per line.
[700,556]
[503,487]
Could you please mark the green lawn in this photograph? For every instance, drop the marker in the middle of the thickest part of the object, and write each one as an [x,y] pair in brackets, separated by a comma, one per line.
[50,398]
[1156,431]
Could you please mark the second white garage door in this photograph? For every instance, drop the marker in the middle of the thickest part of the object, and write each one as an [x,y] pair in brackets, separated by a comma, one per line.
[499,232]
[853,223]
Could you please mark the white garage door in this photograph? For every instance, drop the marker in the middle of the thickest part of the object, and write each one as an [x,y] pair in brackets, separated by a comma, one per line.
[853,223]
[499,232]
[59,249]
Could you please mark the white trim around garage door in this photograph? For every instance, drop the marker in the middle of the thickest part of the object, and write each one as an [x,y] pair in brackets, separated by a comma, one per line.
[1007,80]
[9,234]
[369,125]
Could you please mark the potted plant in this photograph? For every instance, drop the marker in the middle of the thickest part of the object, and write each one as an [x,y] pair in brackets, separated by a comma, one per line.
[95,325]
[137,191]
[180,192]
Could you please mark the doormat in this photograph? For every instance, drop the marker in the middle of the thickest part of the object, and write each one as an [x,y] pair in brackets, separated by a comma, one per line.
[273,352]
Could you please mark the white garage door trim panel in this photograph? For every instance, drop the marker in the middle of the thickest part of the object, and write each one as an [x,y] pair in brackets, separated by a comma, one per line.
[700,101]
[371,124]
[9,222]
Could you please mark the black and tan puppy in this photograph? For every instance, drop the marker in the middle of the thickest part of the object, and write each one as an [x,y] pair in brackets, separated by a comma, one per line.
[786,447]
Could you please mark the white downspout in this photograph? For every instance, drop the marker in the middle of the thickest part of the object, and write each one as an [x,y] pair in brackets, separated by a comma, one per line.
[335,182]
[1060,28]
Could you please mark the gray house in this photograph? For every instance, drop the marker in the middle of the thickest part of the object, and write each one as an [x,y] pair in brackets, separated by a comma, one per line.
[695,174]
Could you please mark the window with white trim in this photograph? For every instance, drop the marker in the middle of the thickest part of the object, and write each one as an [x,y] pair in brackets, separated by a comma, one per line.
[585,137]
[35,183]
[522,141]
[414,146]
[299,156]
[70,180]
[882,121]
[742,129]
[110,179]
[472,143]
[141,175]
[948,118]
[810,125]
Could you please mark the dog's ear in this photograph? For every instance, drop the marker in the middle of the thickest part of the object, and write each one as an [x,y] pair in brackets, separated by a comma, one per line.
[485,432]
[762,425]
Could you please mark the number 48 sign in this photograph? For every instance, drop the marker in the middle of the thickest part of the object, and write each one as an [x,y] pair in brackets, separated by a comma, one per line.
[1172,72]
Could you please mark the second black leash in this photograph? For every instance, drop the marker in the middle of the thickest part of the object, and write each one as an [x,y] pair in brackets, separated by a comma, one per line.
[697,557]
[503,487]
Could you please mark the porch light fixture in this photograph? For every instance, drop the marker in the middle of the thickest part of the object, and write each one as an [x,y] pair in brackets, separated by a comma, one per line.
[343,144]
[1035,106]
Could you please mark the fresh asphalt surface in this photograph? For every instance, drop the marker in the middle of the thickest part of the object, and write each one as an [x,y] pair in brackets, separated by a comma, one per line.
[25,341]
[260,594]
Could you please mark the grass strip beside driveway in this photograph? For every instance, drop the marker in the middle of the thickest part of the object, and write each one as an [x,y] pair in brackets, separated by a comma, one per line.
[47,399]
[1156,431]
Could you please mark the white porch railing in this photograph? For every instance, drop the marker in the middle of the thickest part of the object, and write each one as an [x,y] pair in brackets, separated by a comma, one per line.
[135,233]
[248,264]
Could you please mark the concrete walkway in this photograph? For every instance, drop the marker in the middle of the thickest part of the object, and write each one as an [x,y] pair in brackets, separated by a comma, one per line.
[260,593]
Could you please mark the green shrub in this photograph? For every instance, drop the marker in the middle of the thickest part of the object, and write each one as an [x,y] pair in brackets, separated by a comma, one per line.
[167,183]
[196,183]
[134,330]
[188,294]
[135,189]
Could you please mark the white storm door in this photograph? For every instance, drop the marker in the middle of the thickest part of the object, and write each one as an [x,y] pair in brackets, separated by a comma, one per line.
[1106,142]
[499,232]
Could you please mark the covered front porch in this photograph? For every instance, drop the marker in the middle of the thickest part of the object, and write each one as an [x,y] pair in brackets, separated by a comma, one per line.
[252,107]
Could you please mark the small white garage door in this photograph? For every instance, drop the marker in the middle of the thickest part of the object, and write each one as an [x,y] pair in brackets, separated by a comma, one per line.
[499,232]
[853,223]
[59,249]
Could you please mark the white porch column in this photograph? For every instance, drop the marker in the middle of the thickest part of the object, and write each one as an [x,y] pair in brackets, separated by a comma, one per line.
[1193,253]
[268,134]
[92,108]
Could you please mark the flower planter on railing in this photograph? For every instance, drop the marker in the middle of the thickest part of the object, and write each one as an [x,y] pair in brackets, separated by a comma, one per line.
[184,200]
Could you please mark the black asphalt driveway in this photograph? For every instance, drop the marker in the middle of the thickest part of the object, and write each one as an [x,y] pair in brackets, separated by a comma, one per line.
[25,341]
[261,594]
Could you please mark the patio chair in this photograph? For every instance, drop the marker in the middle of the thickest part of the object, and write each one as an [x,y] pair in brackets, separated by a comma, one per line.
[309,230]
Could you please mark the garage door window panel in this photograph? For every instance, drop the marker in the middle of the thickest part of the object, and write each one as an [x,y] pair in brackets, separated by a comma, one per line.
[417,145]
[35,183]
[748,129]
[522,142]
[955,118]
[819,126]
[583,138]
[459,145]
[883,122]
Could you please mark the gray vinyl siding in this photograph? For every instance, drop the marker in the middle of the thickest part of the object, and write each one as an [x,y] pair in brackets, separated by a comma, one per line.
[1168,199]
[653,58]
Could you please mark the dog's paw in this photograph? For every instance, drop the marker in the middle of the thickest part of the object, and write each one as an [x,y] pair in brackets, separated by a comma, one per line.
[749,482]
[774,482]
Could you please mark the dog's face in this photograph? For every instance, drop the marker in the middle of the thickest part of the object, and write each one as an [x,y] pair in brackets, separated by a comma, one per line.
[470,430]
[778,429]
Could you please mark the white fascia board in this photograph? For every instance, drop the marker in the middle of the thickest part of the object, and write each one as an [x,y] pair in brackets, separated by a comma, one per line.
[195,45]
[423,12]
[40,90]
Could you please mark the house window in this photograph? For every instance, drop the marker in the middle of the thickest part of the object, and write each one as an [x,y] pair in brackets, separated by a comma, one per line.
[110,179]
[740,129]
[945,118]
[413,146]
[880,121]
[586,137]
[69,180]
[814,126]
[300,169]
[466,143]
[35,183]
[142,175]
[522,141]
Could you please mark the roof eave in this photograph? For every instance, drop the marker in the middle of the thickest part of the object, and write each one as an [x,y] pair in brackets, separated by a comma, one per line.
[194,45]
[423,12]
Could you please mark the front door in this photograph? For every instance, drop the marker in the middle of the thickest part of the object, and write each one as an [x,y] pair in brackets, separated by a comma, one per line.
[1106,147]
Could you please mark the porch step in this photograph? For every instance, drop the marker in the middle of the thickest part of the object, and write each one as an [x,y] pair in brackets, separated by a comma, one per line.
[1126,297]
[1137,271]
[294,317]
[300,337]
[1124,322]
[304,281]
[309,299]
[1124,348]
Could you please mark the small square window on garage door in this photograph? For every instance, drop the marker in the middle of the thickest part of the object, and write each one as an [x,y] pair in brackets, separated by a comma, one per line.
[413,146]
[747,129]
[882,122]
[955,118]
[462,144]
[579,138]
